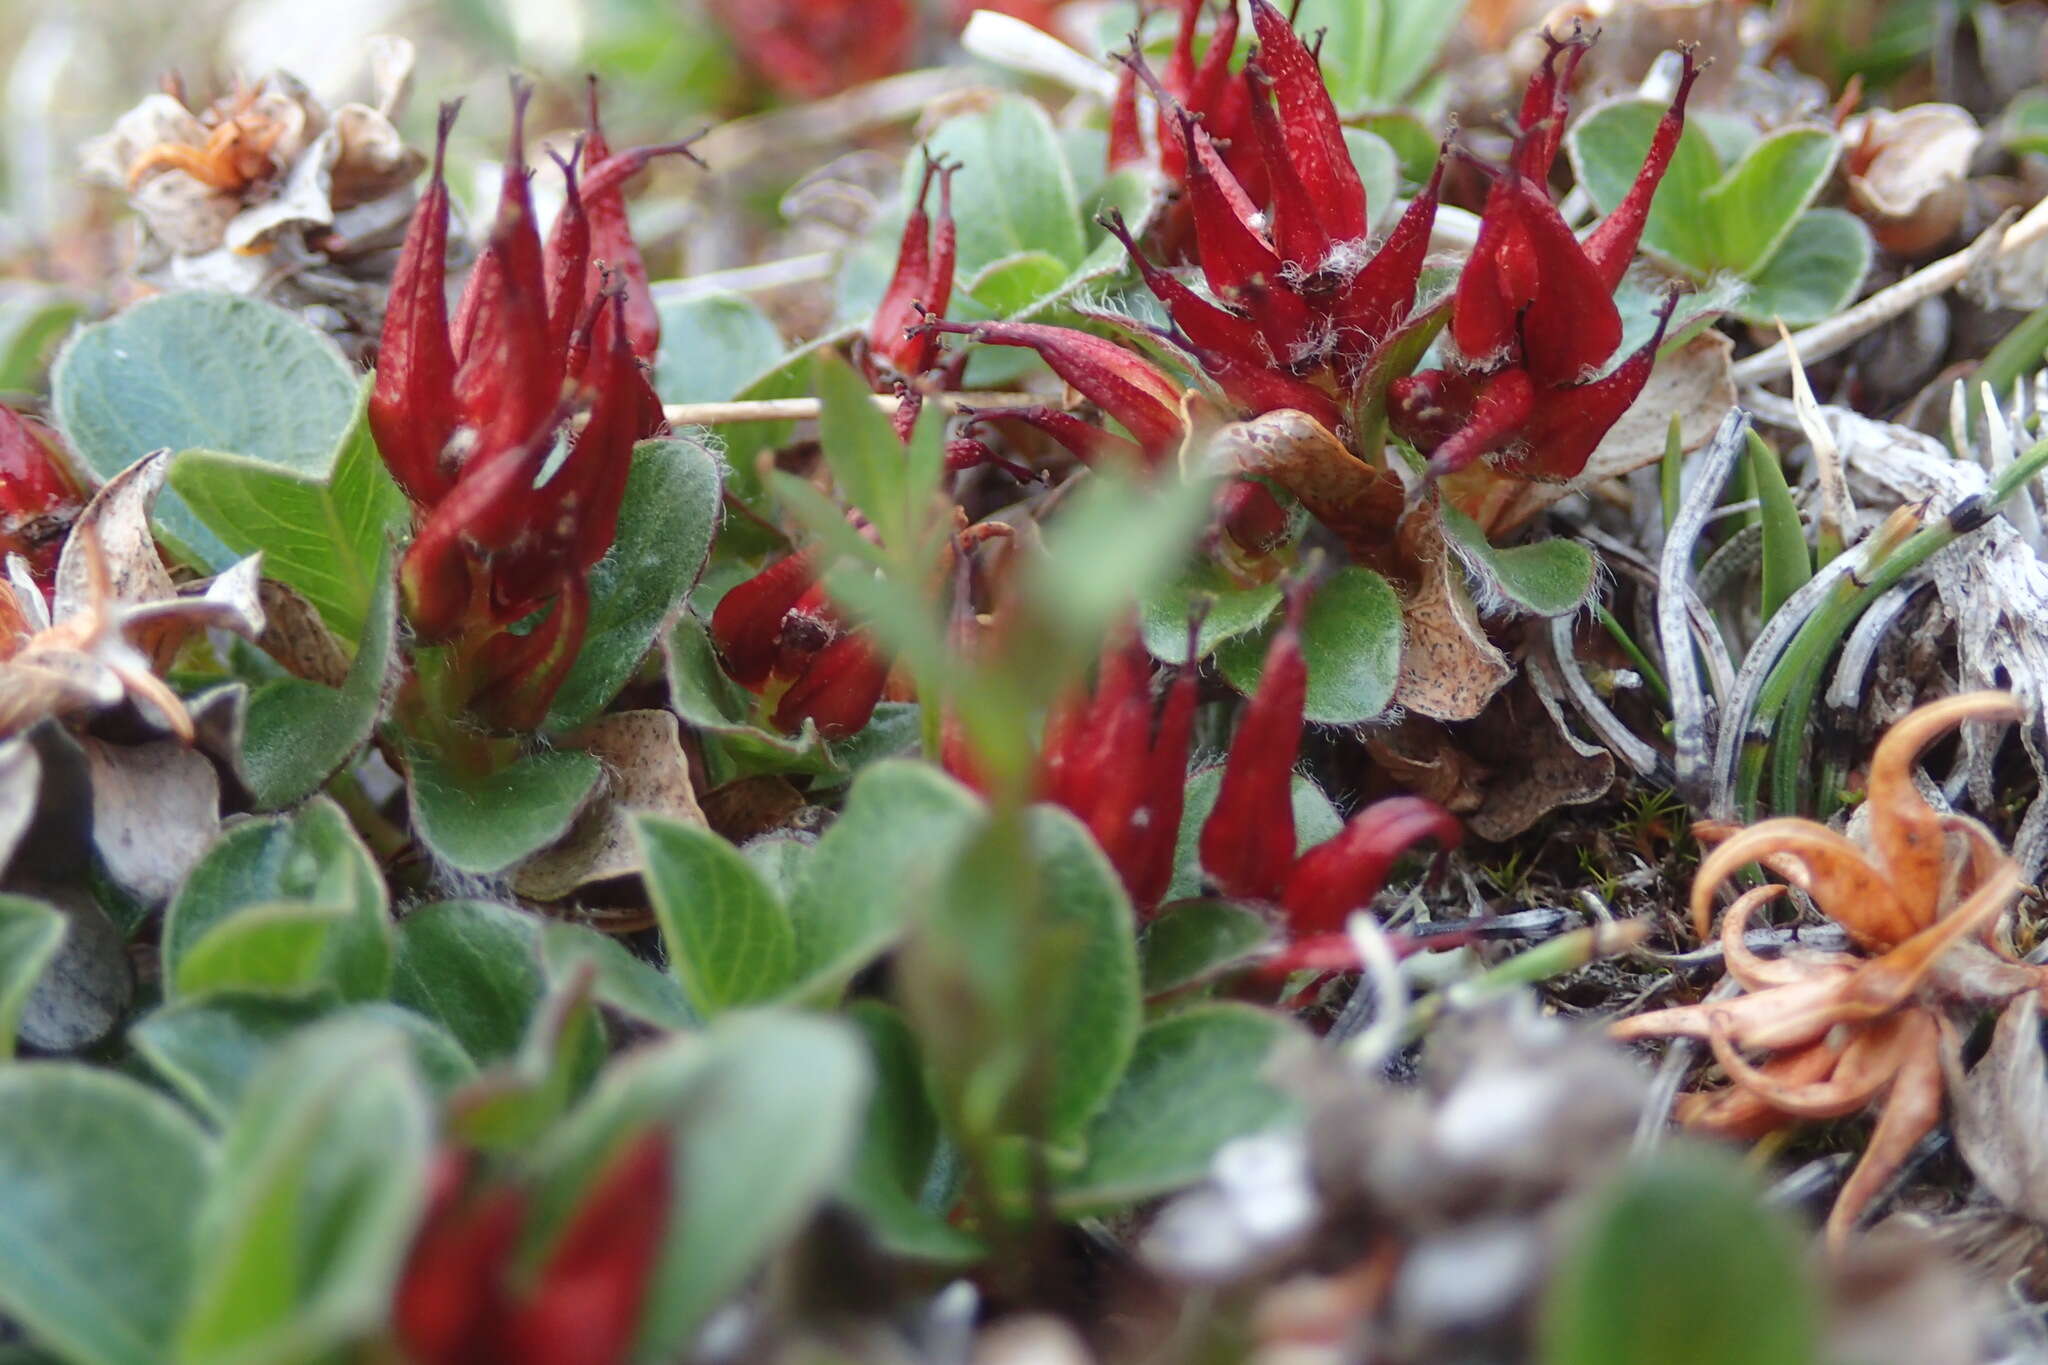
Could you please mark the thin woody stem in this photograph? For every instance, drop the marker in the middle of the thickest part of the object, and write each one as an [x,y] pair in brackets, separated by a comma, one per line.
[804,409]
[1825,338]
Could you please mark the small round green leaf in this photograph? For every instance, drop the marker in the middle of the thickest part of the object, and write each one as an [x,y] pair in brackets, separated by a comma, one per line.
[1351,641]
[207,371]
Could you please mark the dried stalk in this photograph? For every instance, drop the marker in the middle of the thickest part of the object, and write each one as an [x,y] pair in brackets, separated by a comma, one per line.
[1823,339]
[807,409]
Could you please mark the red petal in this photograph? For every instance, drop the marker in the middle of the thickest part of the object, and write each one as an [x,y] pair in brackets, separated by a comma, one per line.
[1315,135]
[449,1299]
[1298,232]
[584,1308]
[1380,296]
[412,404]
[1248,840]
[1545,107]
[1126,136]
[839,690]
[520,674]
[747,620]
[1123,384]
[1567,425]
[1527,262]
[567,264]
[1612,244]
[1502,404]
[1344,873]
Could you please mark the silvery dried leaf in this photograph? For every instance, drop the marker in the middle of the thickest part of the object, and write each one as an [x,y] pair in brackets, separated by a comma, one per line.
[2001,1111]
[155,808]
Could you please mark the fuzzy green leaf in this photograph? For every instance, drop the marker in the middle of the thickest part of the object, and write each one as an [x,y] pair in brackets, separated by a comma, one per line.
[197,370]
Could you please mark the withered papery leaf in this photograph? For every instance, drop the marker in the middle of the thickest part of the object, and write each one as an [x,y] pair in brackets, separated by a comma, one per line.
[2001,1110]
[646,770]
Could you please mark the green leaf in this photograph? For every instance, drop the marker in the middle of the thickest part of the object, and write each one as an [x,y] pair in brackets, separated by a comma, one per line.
[1193,940]
[885,853]
[1094,1006]
[100,1183]
[2025,125]
[1014,189]
[1663,1254]
[709,701]
[323,1172]
[1379,170]
[1022,982]
[729,939]
[1194,1083]
[766,1108]
[1548,577]
[1315,820]
[899,1143]
[665,528]
[892,484]
[1606,147]
[474,968]
[1232,610]
[274,948]
[298,878]
[205,371]
[209,1050]
[1815,273]
[712,347]
[33,319]
[1755,205]
[1377,51]
[626,983]
[486,824]
[1787,563]
[297,734]
[1704,218]
[1009,285]
[324,533]
[1351,641]
[30,934]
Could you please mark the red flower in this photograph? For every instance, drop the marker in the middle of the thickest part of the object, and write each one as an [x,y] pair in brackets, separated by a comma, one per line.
[781,638]
[921,286]
[1534,310]
[1297,305]
[810,48]
[1248,841]
[461,1301]
[468,414]
[39,495]
[1122,771]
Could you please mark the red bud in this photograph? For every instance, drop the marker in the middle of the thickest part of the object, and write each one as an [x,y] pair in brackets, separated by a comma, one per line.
[1380,296]
[839,689]
[1126,136]
[412,405]
[1126,386]
[520,674]
[611,234]
[1504,401]
[451,1294]
[1251,516]
[567,263]
[1528,285]
[39,495]
[923,283]
[1314,133]
[1545,105]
